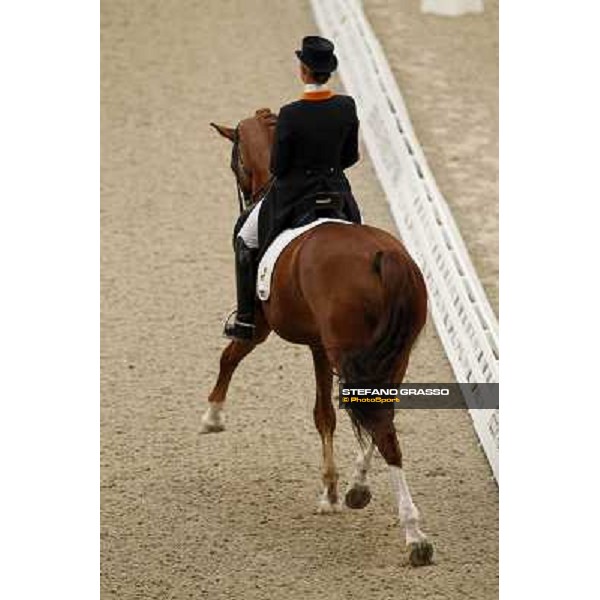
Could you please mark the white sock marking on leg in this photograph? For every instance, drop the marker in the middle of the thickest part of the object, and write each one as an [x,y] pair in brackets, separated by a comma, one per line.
[407,511]
[212,416]
[362,465]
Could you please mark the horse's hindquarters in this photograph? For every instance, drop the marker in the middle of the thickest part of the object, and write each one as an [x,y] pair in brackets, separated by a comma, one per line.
[327,287]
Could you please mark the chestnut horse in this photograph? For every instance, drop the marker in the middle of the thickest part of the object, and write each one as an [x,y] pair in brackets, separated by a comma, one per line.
[355,297]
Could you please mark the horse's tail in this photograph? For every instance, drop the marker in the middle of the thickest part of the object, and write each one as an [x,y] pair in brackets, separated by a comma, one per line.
[399,324]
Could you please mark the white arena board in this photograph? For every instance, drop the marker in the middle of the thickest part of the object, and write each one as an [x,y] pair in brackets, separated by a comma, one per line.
[461,311]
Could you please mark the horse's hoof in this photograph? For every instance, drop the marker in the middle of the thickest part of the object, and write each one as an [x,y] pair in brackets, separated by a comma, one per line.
[358,496]
[324,507]
[211,427]
[420,553]
[212,421]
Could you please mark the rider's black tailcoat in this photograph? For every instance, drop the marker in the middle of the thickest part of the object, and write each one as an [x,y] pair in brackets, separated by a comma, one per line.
[316,138]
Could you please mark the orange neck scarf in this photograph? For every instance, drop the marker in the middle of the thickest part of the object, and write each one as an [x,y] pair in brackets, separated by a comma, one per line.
[318,95]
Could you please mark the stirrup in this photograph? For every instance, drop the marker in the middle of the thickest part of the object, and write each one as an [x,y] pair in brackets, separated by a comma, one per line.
[237,330]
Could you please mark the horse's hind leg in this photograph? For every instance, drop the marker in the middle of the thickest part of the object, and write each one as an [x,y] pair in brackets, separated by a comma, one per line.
[234,353]
[325,420]
[358,494]
[386,440]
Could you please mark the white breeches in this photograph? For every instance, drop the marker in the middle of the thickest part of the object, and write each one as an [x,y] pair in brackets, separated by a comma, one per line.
[249,231]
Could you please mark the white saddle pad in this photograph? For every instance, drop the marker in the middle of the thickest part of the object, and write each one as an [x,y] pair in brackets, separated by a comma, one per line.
[269,259]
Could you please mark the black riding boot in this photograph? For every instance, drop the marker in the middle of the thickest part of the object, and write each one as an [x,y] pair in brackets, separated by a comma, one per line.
[245,276]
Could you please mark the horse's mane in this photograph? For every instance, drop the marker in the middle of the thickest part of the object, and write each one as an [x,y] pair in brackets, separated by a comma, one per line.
[266,116]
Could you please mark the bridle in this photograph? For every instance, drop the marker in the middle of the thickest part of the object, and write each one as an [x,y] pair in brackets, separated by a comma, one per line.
[246,199]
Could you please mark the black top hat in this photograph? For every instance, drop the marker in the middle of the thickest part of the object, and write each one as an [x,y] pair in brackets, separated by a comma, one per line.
[317,54]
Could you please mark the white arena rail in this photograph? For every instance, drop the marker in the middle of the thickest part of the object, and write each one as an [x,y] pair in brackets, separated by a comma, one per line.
[461,311]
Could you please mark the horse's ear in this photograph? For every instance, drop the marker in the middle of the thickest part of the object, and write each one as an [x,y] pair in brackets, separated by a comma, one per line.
[226,132]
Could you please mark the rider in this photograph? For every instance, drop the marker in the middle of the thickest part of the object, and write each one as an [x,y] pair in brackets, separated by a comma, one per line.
[316,138]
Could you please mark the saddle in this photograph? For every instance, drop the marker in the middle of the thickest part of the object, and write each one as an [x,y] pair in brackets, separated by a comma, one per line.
[269,259]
